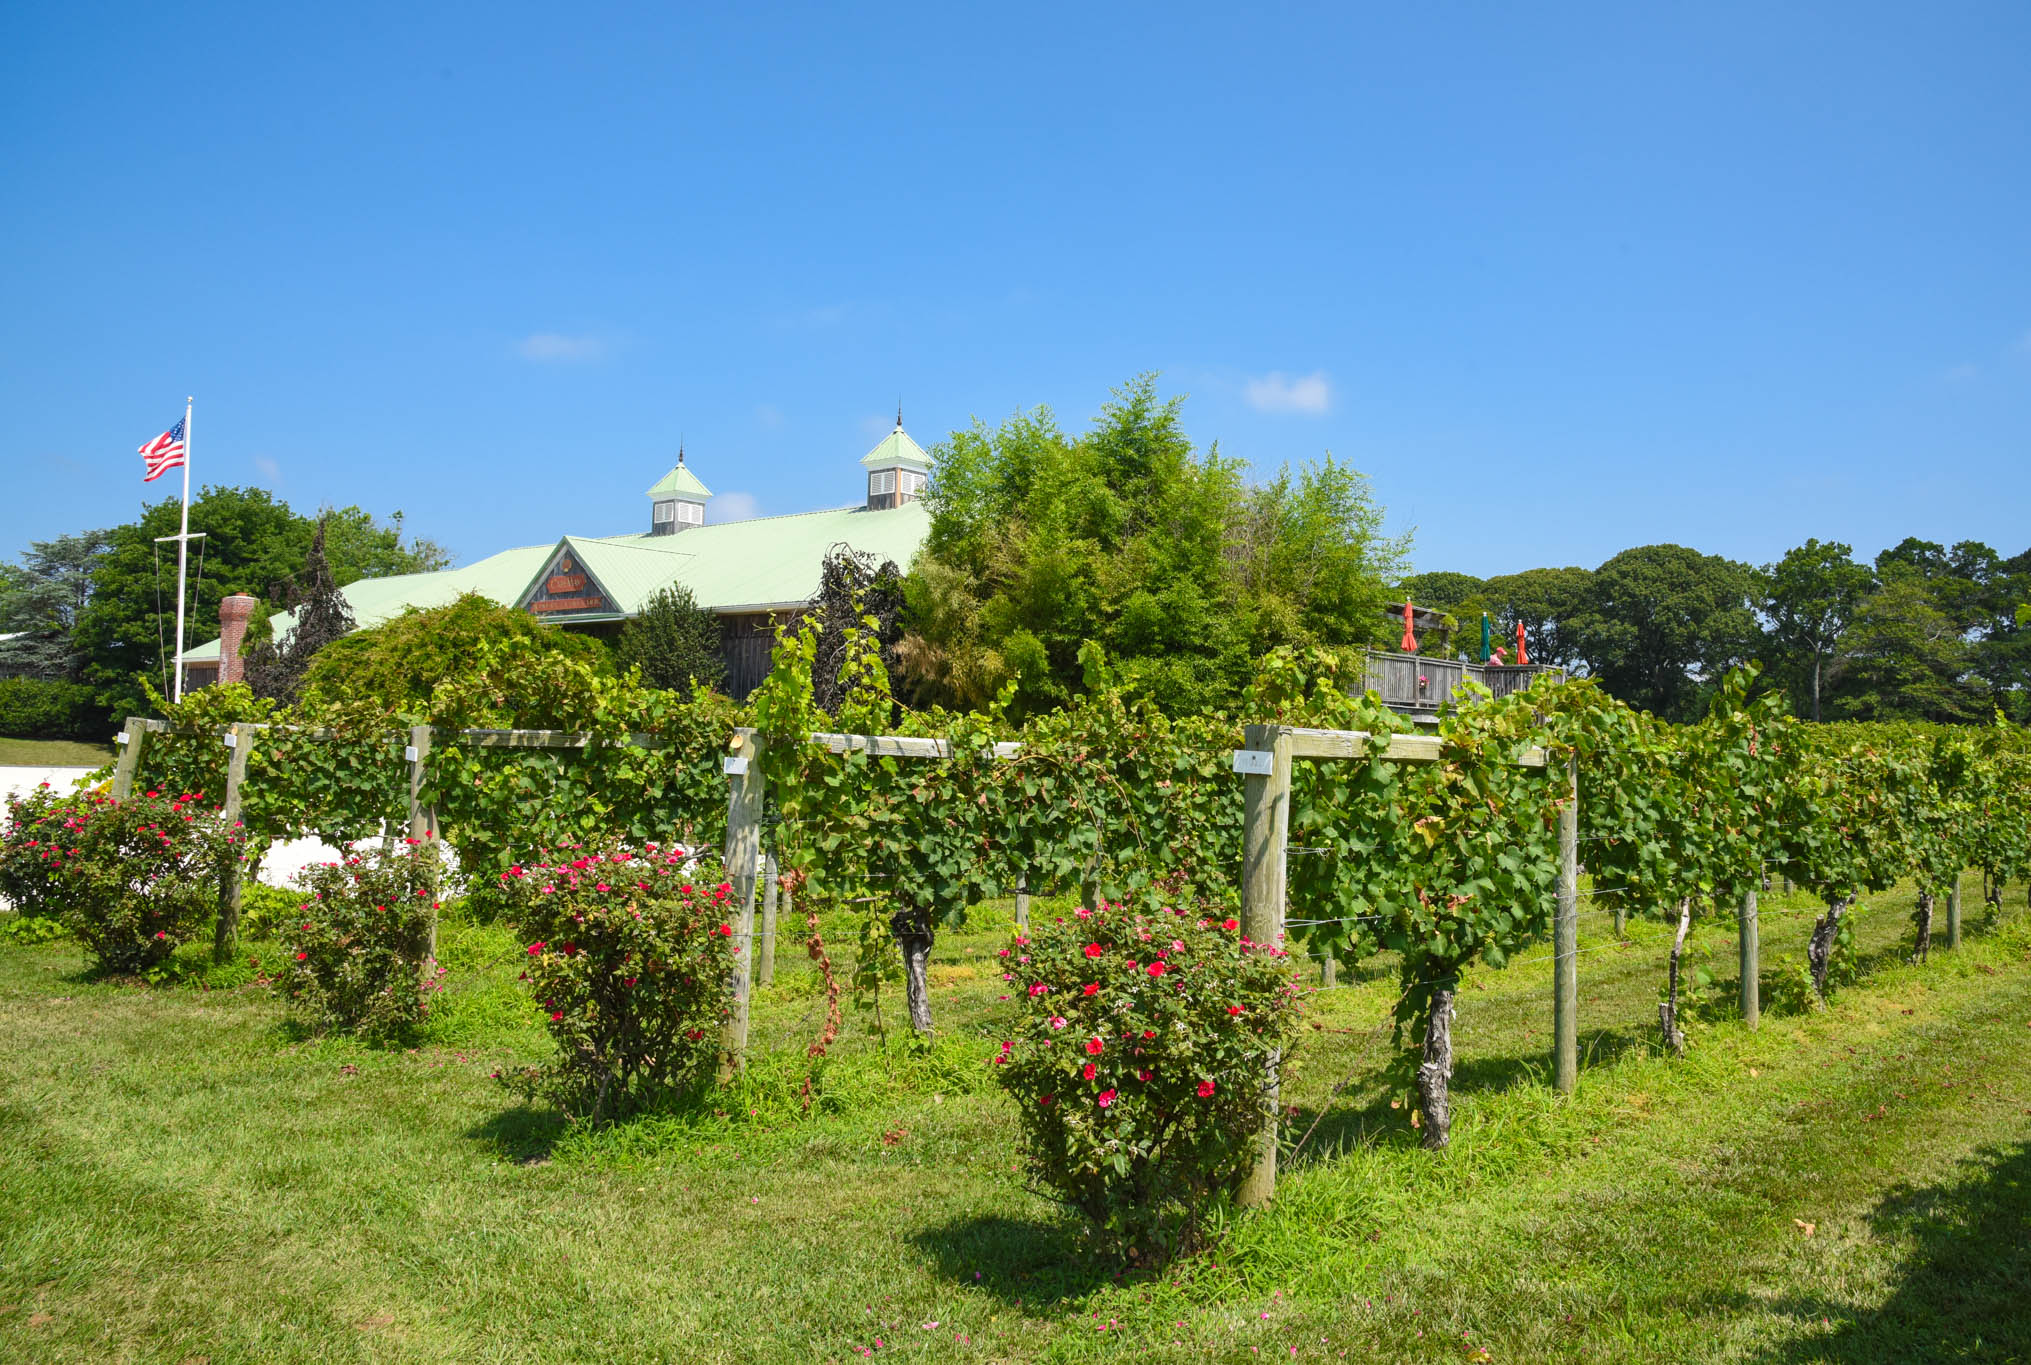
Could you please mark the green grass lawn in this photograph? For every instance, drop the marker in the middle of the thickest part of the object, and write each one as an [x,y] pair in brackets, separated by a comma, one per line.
[53,753]
[184,1177]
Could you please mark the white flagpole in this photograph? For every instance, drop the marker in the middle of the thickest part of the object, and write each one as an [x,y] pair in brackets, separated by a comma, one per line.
[182,549]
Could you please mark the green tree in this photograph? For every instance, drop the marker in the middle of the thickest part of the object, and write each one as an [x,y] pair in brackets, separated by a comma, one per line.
[40,600]
[253,544]
[1662,623]
[396,666]
[675,642]
[1810,598]
[1547,602]
[1907,659]
[1442,589]
[322,616]
[1129,537]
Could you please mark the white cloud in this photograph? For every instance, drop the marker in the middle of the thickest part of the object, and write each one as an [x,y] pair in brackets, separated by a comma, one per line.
[877,426]
[769,415]
[734,507]
[270,471]
[1310,394]
[554,348]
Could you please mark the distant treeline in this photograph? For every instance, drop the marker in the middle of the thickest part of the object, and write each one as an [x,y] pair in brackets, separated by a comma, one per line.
[1926,632]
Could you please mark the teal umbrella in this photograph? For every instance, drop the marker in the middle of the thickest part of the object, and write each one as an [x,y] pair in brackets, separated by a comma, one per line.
[1484,637]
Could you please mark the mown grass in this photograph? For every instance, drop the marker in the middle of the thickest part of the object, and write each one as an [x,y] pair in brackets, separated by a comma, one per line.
[183,1175]
[53,753]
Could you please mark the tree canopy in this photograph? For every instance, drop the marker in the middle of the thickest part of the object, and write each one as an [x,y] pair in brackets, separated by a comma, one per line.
[253,543]
[395,666]
[1129,537]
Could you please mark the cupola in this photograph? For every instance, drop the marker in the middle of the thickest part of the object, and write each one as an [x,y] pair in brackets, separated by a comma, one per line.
[677,500]
[897,470]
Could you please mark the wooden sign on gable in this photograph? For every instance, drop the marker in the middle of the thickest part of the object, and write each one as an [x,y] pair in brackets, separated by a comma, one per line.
[567,587]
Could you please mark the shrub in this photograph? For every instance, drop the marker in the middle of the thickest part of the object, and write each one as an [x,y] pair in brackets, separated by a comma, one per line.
[358,958]
[46,708]
[630,958]
[675,642]
[133,879]
[1139,1063]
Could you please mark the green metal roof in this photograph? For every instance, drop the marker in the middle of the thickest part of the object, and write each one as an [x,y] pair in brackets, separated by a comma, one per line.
[729,566]
[680,482]
[897,448]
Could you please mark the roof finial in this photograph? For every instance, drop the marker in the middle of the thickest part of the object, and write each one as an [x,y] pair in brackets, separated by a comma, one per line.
[899,412]
[680,448]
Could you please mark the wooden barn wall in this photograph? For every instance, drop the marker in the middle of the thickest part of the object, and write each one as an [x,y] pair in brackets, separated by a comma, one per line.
[745,643]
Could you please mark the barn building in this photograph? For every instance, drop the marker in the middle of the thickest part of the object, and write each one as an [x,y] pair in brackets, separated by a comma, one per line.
[752,574]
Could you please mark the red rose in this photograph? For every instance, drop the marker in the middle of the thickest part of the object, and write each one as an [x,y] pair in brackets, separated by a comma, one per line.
[302,956]
[1156,969]
[1234,1009]
[1230,924]
[726,931]
[1205,1090]
[1092,988]
[535,948]
[1093,1047]
[1089,1071]
[1094,950]
[1106,1098]
[1045,1099]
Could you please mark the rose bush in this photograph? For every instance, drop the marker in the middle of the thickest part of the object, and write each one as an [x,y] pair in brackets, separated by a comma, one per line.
[1139,1060]
[356,955]
[629,955]
[132,879]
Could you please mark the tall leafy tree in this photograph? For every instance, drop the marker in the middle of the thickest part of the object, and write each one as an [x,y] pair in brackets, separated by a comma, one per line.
[1128,537]
[1810,597]
[1547,603]
[253,544]
[276,667]
[1662,623]
[40,601]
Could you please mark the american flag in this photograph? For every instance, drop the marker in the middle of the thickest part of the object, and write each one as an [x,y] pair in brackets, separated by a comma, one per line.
[164,453]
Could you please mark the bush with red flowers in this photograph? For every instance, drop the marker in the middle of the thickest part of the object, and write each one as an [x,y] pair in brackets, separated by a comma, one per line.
[132,879]
[1139,1061]
[629,955]
[356,954]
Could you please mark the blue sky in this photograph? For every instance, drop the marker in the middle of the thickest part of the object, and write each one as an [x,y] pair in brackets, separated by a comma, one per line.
[1560,279]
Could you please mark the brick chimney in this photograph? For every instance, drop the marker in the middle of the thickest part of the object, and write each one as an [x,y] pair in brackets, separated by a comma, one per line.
[234,613]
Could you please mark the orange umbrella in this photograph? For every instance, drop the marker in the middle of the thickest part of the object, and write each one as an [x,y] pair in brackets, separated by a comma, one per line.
[1522,655]
[1409,636]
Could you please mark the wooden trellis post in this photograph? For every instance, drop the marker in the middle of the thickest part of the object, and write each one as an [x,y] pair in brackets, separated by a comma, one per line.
[1565,942]
[745,790]
[765,963]
[1266,785]
[1265,848]
[1022,906]
[422,821]
[133,737]
[1752,963]
[1953,913]
[239,738]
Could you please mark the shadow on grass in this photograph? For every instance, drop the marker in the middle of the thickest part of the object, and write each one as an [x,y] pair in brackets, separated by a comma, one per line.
[524,1133]
[1960,1294]
[1034,1263]
[1350,1125]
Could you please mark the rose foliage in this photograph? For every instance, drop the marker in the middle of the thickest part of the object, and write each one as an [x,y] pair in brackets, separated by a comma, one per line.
[132,879]
[1140,1060]
[357,954]
[630,956]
